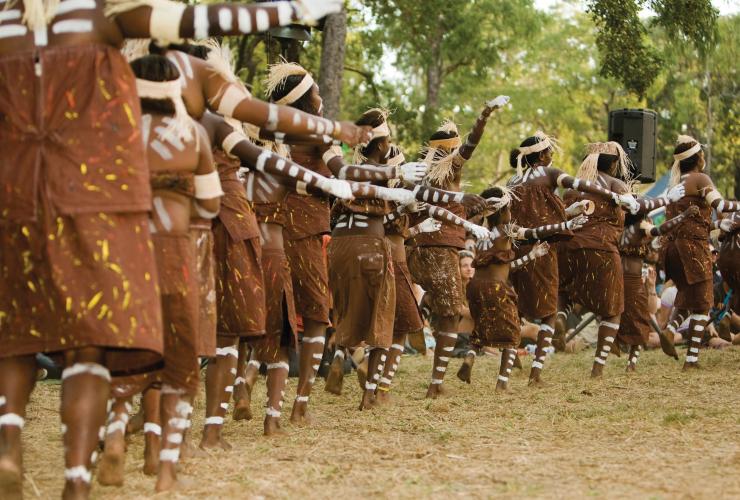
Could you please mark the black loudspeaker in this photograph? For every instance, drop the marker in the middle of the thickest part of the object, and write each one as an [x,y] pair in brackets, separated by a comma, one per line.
[636,131]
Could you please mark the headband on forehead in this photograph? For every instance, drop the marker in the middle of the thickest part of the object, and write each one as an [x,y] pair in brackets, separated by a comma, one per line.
[545,142]
[685,155]
[298,91]
[277,76]
[182,125]
[589,167]
[381,130]
[449,144]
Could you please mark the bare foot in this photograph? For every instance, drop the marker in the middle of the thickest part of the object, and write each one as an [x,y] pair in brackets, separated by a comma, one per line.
[299,414]
[466,369]
[517,362]
[272,427]
[502,387]
[243,409]
[113,461]
[189,451]
[597,370]
[690,366]
[167,479]
[212,438]
[362,374]
[76,489]
[435,391]
[631,368]
[336,377]
[11,480]
[152,445]
[666,343]
[537,382]
[383,398]
[368,401]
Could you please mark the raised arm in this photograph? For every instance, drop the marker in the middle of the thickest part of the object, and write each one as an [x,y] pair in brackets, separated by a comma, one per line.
[714,198]
[471,142]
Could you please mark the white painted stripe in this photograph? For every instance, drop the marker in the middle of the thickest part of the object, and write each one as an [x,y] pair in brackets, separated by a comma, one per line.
[70,5]
[599,361]
[200,21]
[12,30]
[153,428]
[503,379]
[174,438]
[315,340]
[692,359]
[169,455]
[262,20]
[9,15]
[72,26]
[41,37]
[214,421]
[537,364]
[244,20]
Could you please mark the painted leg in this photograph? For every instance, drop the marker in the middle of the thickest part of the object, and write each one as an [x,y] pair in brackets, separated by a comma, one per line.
[608,329]
[382,397]
[633,357]
[113,461]
[667,336]
[175,408]
[377,356]
[360,360]
[277,376]
[243,389]
[312,351]
[220,376]
[85,392]
[697,324]
[442,351]
[544,340]
[507,361]
[152,430]
[465,372]
[17,378]
[335,378]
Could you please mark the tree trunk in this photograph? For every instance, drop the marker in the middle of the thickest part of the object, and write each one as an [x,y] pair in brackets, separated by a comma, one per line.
[332,63]
[434,83]
[710,120]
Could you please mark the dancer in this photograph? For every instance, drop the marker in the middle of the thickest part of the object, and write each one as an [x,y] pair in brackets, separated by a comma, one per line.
[490,295]
[308,218]
[432,258]
[466,325]
[534,202]
[634,245]
[686,258]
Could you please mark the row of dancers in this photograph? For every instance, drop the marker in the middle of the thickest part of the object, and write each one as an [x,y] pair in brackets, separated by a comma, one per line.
[155,212]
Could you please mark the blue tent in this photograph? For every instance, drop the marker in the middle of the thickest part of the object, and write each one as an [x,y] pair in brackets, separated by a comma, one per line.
[660,186]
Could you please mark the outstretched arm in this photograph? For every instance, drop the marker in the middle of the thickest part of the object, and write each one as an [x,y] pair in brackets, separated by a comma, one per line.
[728,224]
[563,180]
[714,198]
[668,225]
[543,232]
[411,172]
[539,250]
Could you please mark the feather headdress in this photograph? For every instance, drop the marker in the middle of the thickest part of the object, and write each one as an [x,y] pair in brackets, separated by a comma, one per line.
[544,142]
[439,155]
[588,170]
[678,158]
[277,76]
[395,158]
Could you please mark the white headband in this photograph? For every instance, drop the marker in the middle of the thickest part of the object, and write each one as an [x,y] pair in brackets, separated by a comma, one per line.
[528,150]
[298,91]
[182,125]
[688,153]
[678,158]
[381,130]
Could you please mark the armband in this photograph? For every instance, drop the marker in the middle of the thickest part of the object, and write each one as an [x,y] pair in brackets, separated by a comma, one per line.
[231,141]
[712,196]
[208,186]
[164,22]
[560,179]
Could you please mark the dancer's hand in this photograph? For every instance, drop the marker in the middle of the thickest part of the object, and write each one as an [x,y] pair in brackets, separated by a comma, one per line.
[413,171]
[498,102]
[336,187]
[576,222]
[629,202]
[310,11]
[539,250]
[676,193]
[484,244]
[479,232]
[429,225]
[352,134]
[576,208]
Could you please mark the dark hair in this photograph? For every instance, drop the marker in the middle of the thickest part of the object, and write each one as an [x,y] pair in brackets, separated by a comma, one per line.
[441,135]
[605,163]
[530,159]
[493,192]
[630,219]
[199,51]
[156,68]
[303,103]
[689,163]
[373,118]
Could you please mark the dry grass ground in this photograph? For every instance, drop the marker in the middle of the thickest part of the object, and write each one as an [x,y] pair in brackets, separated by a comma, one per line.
[654,434]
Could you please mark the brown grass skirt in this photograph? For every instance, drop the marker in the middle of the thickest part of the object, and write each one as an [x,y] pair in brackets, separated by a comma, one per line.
[281,325]
[596,281]
[207,316]
[536,284]
[690,268]
[364,290]
[634,326]
[437,271]
[310,277]
[494,310]
[74,281]
[240,291]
